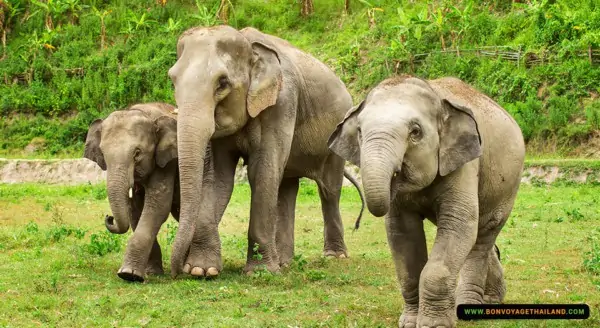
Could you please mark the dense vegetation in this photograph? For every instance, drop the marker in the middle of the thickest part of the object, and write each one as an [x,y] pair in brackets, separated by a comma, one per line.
[67,62]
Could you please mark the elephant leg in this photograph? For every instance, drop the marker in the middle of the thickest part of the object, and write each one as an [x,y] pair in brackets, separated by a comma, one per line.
[155,265]
[330,187]
[137,205]
[457,222]
[157,205]
[406,239]
[286,205]
[265,173]
[482,260]
[204,258]
[495,286]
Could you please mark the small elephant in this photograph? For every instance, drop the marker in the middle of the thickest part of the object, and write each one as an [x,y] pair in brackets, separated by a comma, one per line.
[439,150]
[254,96]
[138,149]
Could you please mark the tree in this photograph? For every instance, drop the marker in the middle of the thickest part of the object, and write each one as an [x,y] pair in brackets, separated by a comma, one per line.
[307,8]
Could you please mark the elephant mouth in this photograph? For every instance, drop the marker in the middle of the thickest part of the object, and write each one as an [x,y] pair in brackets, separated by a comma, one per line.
[403,181]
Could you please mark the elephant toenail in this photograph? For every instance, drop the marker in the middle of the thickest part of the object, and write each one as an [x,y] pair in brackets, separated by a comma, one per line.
[212,272]
[198,272]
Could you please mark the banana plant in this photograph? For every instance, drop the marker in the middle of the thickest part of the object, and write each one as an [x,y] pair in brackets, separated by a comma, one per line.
[205,16]
[52,9]
[74,9]
[102,16]
[172,26]
[371,9]
[141,22]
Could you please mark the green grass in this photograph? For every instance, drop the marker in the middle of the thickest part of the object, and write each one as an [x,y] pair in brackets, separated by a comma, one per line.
[59,265]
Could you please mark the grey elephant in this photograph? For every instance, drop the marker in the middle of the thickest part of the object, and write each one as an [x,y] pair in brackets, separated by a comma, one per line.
[138,149]
[254,96]
[439,150]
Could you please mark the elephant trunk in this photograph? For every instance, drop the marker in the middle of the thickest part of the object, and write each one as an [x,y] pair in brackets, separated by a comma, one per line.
[119,182]
[379,162]
[195,127]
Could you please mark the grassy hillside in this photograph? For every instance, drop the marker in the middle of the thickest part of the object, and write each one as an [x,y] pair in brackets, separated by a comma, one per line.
[67,62]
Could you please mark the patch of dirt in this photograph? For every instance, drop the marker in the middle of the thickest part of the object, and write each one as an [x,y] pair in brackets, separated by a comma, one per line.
[63,171]
[82,170]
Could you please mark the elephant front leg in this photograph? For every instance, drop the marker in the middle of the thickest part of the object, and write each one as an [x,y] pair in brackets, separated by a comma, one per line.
[204,258]
[330,187]
[157,205]
[406,239]
[288,191]
[457,222]
[265,173]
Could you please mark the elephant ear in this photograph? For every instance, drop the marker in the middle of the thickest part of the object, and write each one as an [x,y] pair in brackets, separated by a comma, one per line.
[460,141]
[266,79]
[92,149]
[344,140]
[166,136]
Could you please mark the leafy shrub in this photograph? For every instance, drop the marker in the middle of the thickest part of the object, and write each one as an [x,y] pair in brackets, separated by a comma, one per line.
[103,243]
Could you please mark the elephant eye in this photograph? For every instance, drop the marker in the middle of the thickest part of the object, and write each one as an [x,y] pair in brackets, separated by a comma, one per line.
[223,83]
[359,135]
[136,153]
[415,132]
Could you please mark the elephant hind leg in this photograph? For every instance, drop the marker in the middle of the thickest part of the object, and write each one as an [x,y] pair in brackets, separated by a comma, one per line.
[481,279]
[286,206]
[330,185]
[495,287]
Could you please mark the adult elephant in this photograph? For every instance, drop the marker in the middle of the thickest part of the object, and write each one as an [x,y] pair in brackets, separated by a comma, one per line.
[444,151]
[254,96]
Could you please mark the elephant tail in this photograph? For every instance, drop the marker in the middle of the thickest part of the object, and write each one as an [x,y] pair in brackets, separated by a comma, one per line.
[497,250]
[352,179]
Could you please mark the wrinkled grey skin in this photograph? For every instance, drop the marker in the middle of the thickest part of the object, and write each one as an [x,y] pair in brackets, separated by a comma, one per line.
[439,150]
[138,149]
[254,96]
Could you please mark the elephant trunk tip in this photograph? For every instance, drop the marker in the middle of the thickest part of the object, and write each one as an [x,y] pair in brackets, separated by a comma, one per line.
[109,222]
[378,210]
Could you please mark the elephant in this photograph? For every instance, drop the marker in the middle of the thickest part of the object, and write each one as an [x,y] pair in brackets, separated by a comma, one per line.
[253,96]
[137,147]
[441,150]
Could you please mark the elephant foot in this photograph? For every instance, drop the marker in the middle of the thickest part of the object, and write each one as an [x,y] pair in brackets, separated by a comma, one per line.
[253,266]
[445,321]
[491,299]
[337,254]
[130,274]
[408,320]
[204,262]
[201,272]
[155,270]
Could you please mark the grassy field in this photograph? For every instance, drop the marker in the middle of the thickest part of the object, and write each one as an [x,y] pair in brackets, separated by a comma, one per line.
[59,265]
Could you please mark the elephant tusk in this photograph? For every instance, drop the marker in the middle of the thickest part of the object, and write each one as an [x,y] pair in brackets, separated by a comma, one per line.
[175,110]
[130,193]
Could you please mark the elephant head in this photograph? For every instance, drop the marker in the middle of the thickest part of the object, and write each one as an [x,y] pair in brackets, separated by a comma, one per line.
[128,144]
[403,136]
[221,80]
